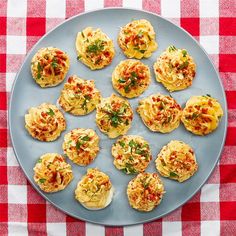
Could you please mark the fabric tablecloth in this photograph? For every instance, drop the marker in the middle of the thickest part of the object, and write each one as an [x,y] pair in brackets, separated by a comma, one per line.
[212,211]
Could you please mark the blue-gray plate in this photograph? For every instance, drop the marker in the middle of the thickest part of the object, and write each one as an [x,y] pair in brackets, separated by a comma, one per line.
[26,93]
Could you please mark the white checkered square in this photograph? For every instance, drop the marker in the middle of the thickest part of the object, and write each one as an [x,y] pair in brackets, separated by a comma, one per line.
[16,44]
[59,228]
[10,77]
[210,43]
[130,4]
[90,5]
[11,158]
[16,8]
[210,228]
[170,8]
[17,194]
[17,229]
[55,9]
[209,8]
[136,230]
[93,229]
[210,193]
[172,228]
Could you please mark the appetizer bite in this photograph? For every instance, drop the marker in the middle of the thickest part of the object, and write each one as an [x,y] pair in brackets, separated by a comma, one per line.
[160,113]
[94,191]
[202,114]
[131,154]
[45,122]
[52,173]
[49,66]
[81,146]
[175,69]
[79,97]
[137,39]
[114,116]
[176,161]
[94,48]
[131,78]
[145,191]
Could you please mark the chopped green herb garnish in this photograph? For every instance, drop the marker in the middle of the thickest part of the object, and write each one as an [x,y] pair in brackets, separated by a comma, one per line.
[39,67]
[78,57]
[140,34]
[208,95]
[142,51]
[127,89]
[133,74]
[121,81]
[172,48]
[85,138]
[96,47]
[78,144]
[132,143]
[122,144]
[39,160]
[184,52]
[184,65]
[82,33]
[129,169]
[42,180]
[173,174]
[195,115]
[54,63]
[50,112]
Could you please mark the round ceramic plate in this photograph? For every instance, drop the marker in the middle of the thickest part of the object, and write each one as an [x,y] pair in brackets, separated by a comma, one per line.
[26,93]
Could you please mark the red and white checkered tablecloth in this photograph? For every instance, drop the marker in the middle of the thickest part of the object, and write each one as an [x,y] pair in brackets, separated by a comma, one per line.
[212,211]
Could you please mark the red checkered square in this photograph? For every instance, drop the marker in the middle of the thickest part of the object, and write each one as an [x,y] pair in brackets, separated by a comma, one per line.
[37,229]
[2,82]
[228,210]
[3,175]
[31,41]
[215,60]
[230,137]
[35,26]
[227,192]
[189,8]
[191,228]
[191,211]
[16,175]
[16,26]
[209,26]
[174,216]
[52,22]
[210,210]
[36,213]
[111,231]
[152,228]
[229,80]
[4,228]
[3,119]
[33,197]
[215,176]
[37,9]
[231,99]
[228,26]
[196,197]
[227,173]
[54,215]
[3,101]
[3,194]
[14,62]
[152,6]
[3,44]
[4,212]
[3,25]
[71,219]
[75,228]
[227,62]
[3,63]
[227,44]
[191,25]
[228,155]
[227,228]
[74,9]
[3,7]
[112,3]
[3,156]
[227,8]
[17,212]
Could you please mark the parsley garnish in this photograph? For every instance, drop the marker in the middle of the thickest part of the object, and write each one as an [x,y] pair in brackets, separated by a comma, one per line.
[42,180]
[78,57]
[173,174]
[78,144]
[182,66]
[132,143]
[82,33]
[84,104]
[39,160]
[39,67]
[195,115]
[172,48]
[122,144]
[184,52]
[85,138]
[54,63]
[121,81]
[96,47]
[129,169]
[50,112]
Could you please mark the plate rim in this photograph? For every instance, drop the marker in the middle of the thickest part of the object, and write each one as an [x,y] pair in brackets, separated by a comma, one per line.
[141,221]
